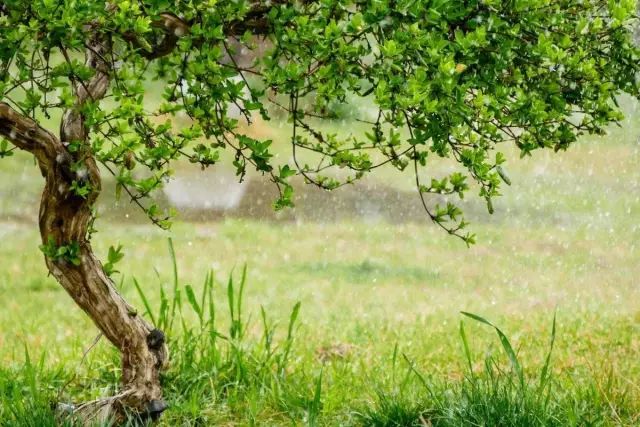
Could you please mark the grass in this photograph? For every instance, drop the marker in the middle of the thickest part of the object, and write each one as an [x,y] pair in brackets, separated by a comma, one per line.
[235,362]
[376,339]
[232,375]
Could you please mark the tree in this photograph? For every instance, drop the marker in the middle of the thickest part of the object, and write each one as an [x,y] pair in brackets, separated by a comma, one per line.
[449,79]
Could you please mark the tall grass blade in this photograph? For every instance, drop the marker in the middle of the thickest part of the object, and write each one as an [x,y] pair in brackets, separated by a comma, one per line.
[243,281]
[421,377]
[545,374]
[268,335]
[314,410]
[176,291]
[172,255]
[205,292]
[465,345]
[287,347]
[163,313]
[506,345]
[30,372]
[230,300]
[292,319]
[394,360]
[240,327]
[213,333]
[145,302]
[191,297]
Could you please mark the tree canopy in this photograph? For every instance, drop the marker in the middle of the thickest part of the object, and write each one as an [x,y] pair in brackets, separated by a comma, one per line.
[447,78]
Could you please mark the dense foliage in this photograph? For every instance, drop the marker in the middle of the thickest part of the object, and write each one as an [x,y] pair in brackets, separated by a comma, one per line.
[448,79]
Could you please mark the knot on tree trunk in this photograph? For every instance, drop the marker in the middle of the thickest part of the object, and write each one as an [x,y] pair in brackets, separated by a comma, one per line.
[155,408]
[155,339]
[157,345]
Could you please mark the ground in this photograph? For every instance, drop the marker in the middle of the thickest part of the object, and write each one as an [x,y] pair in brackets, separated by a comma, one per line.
[377,338]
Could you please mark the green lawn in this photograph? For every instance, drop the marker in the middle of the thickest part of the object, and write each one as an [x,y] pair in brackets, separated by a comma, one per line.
[377,338]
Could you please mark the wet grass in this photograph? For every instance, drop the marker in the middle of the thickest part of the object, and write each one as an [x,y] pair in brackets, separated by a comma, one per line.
[368,272]
[376,340]
[230,369]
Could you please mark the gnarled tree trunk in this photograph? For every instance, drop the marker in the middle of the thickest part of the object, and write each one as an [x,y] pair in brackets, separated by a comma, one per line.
[65,218]
[65,215]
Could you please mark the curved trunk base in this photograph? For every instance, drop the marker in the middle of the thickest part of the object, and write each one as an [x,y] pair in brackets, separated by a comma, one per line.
[110,411]
[65,219]
[143,348]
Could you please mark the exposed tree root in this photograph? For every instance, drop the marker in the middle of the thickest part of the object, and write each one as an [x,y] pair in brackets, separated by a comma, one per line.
[109,411]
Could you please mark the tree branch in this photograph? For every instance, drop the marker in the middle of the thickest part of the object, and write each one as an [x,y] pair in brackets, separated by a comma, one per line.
[72,125]
[173,28]
[26,134]
[256,21]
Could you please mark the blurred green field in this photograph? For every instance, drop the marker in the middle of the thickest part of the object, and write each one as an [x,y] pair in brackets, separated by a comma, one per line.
[564,239]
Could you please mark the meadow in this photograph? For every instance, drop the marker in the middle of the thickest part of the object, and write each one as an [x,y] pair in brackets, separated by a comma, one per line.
[355,320]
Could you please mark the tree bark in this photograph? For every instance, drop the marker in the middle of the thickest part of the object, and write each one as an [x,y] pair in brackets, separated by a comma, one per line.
[65,218]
